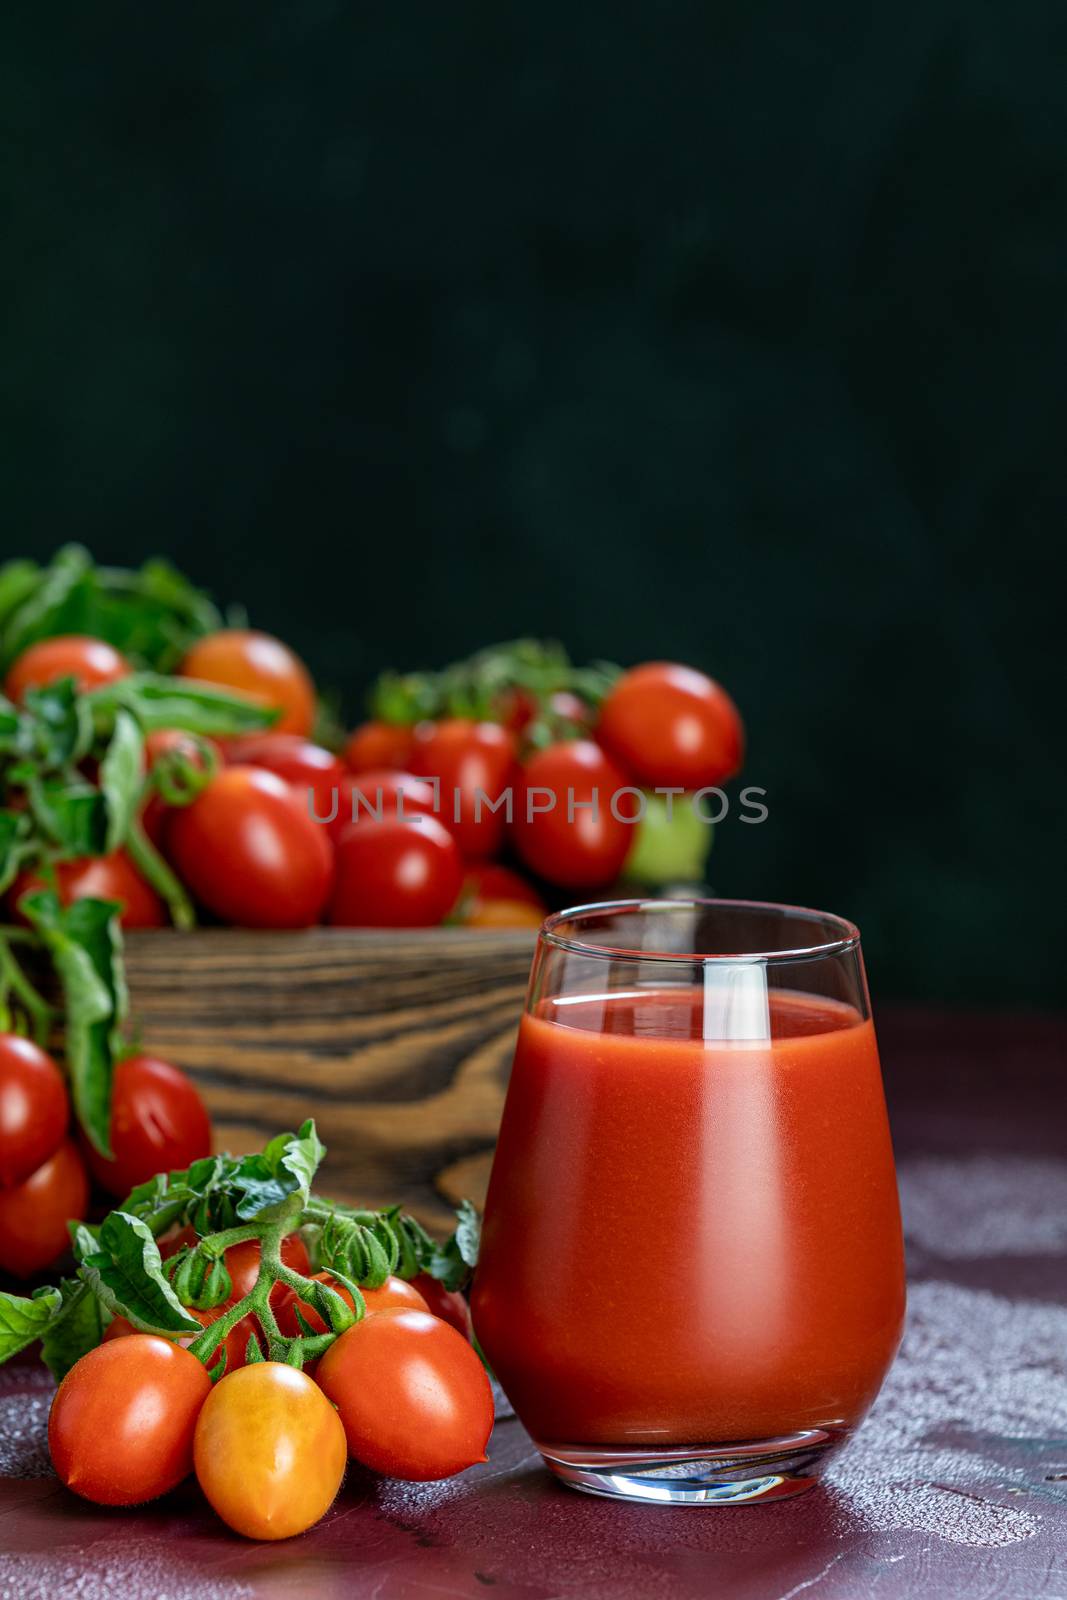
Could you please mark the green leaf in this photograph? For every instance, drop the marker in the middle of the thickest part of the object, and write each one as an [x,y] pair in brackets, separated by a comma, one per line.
[77,1328]
[126,1273]
[468,1233]
[50,607]
[18,580]
[120,777]
[285,1168]
[15,846]
[55,725]
[159,702]
[84,942]
[72,816]
[22,1320]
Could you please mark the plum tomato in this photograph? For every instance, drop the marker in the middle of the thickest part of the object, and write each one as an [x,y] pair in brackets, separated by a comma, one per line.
[34,1109]
[412,1395]
[312,771]
[112,877]
[378,793]
[394,874]
[474,764]
[250,852]
[34,1214]
[374,745]
[448,1304]
[259,666]
[574,815]
[90,662]
[672,726]
[158,1123]
[269,1451]
[242,1262]
[122,1421]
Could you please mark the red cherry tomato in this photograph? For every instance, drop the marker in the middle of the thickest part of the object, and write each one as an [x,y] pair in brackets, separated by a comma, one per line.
[90,662]
[122,1422]
[158,1124]
[412,1395]
[672,726]
[448,1304]
[112,877]
[373,795]
[34,1215]
[567,841]
[250,852]
[473,763]
[374,745]
[34,1109]
[394,874]
[260,666]
[490,881]
[304,766]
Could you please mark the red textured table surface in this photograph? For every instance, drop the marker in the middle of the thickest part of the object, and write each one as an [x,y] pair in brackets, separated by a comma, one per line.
[956,1486]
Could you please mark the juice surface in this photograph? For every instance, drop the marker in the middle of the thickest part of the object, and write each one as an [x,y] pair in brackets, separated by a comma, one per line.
[689,1242]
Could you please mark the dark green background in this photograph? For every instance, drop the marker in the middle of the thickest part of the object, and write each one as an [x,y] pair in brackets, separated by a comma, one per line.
[732,333]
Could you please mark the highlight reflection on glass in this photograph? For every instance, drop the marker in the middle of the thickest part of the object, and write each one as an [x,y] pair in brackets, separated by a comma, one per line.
[691,1283]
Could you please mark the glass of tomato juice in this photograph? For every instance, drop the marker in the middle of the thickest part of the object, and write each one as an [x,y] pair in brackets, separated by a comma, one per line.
[691,1282]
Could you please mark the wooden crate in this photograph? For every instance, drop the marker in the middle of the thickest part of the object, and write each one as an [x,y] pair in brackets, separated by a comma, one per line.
[397,1042]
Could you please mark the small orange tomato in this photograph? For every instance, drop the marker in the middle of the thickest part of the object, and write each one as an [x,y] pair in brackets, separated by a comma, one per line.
[260,666]
[269,1451]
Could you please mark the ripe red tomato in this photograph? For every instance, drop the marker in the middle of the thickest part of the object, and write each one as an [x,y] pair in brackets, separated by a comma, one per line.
[122,1421]
[412,1395]
[569,843]
[34,1215]
[448,1304]
[373,795]
[34,1109]
[90,662]
[672,726]
[242,1263]
[158,1124]
[303,765]
[250,852]
[235,1344]
[374,745]
[260,666]
[392,1294]
[269,1451]
[473,762]
[394,874]
[112,877]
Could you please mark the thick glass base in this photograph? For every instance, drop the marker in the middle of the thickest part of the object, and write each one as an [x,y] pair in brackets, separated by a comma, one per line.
[697,1475]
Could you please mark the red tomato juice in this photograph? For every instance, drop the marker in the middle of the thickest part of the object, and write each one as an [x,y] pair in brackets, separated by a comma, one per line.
[690,1242]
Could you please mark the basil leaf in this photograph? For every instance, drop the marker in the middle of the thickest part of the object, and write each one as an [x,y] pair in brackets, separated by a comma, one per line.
[120,777]
[14,845]
[126,1273]
[74,817]
[51,607]
[77,1328]
[159,702]
[85,946]
[56,728]
[22,1320]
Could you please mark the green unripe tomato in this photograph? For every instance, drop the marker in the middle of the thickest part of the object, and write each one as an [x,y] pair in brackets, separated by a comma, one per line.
[671,846]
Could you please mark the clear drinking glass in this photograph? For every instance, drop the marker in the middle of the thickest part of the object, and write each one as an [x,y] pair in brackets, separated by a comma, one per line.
[691,1283]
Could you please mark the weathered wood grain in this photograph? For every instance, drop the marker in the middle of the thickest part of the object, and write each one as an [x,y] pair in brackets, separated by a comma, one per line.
[397,1042]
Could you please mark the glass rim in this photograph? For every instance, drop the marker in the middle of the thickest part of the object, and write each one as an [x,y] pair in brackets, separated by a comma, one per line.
[848,939]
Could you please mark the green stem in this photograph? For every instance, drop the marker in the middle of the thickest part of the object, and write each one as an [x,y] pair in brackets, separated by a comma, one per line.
[151,865]
[215,1244]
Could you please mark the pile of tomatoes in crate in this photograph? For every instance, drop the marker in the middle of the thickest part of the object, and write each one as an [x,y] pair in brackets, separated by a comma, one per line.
[552,781]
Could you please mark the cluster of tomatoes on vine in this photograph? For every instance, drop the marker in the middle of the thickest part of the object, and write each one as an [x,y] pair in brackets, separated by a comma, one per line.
[406,825]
